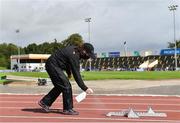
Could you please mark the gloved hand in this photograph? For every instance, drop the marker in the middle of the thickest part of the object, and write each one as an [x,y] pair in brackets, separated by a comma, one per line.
[89,91]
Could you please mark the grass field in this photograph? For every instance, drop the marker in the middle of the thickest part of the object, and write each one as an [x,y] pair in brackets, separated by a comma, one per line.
[147,75]
[3,81]
[3,68]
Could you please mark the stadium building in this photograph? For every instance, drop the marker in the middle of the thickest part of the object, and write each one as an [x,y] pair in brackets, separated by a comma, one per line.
[165,60]
[29,62]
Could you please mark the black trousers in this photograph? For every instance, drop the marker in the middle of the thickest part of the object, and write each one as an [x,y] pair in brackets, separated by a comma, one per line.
[61,85]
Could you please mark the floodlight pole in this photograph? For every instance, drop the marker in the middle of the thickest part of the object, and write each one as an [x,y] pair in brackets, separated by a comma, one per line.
[173,8]
[88,20]
[19,52]
[125,48]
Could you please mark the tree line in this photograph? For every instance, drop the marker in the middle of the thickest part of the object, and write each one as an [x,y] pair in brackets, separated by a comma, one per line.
[6,50]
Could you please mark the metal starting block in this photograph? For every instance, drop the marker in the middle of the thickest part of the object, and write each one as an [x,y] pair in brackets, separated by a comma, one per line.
[132,114]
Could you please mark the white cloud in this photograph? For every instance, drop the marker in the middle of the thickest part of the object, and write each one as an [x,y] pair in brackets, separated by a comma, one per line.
[143,24]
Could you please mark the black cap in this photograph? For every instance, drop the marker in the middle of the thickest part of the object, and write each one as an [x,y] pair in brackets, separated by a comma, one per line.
[89,49]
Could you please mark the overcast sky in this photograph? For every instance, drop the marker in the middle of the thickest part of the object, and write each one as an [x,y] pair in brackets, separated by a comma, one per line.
[143,24]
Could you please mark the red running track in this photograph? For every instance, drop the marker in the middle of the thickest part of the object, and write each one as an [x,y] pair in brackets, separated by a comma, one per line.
[24,108]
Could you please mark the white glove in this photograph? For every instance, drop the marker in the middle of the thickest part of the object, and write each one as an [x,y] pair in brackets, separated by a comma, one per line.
[89,91]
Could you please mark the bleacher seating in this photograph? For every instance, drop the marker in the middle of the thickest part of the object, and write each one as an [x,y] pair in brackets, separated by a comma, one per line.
[130,63]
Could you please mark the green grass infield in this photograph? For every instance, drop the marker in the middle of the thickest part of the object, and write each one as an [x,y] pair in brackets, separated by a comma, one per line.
[102,75]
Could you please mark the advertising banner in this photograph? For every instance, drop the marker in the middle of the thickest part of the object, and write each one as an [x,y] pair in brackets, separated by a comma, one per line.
[169,51]
[114,54]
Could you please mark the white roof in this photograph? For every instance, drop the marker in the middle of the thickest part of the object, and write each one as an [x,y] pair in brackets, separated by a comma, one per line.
[31,56]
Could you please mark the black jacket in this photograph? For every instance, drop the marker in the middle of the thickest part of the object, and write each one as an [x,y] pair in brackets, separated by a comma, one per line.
[68,59]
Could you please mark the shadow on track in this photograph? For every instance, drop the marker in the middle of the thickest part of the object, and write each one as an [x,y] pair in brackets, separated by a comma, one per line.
[40,110]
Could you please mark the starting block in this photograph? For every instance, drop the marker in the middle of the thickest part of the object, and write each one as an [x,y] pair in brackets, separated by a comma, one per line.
[132,114]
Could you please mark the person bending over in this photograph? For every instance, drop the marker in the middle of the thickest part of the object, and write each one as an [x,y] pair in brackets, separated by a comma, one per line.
[66,59]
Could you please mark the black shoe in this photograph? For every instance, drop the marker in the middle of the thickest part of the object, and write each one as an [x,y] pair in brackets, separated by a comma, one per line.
[44,106]
[70,112]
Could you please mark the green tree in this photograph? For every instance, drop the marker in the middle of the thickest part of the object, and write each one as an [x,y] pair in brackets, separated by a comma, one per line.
[3,60]
[31,48]
[6,50]
[172,45]
[12,49]
[74,39]
[56,45]
[44,48]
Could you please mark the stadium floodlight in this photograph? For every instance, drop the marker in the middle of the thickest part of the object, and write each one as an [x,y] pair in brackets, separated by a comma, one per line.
[17,31]
[88,20]
[173,8]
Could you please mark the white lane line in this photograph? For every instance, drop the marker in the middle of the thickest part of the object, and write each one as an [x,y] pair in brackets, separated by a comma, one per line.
[147,95]
[63,122]
[19,102]
[100,98]
[68,122]
[91,109]
[98,103]
[84,118]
